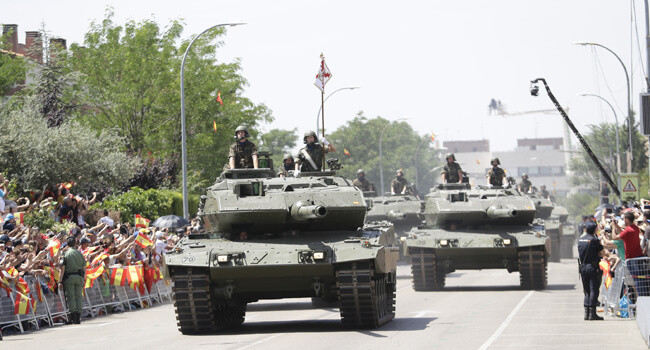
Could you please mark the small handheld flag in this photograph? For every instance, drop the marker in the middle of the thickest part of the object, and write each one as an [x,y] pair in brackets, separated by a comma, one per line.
[346,152]
[219,98]
[143,241]
[214,125]
[141,222]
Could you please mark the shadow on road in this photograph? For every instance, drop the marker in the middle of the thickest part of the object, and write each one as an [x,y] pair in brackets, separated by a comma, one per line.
[550,287]
[285,306]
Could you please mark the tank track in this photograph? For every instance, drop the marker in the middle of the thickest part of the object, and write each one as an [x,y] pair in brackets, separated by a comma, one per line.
[532,268]
[367,297]
[196,312]
[427,275]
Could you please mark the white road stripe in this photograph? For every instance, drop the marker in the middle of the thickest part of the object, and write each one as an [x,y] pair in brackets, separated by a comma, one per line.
[260,341]
[505,323]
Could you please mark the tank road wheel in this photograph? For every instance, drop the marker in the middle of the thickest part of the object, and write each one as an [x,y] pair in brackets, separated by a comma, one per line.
[194,313]
[427,274]
[367,297]
[532,269]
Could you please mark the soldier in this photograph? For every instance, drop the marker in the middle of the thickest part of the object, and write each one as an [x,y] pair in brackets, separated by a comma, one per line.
[496,175]
[525,184]
[288,164]
[589,251]
[73,272]
[361,182]
[543,192]
[311,156]
[399,184]
[452,172]
[243,153]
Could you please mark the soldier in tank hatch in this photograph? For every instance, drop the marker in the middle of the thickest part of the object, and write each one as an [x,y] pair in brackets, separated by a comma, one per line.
[496,175]
[451,172]
[361,182]
[310,157]
[243,153]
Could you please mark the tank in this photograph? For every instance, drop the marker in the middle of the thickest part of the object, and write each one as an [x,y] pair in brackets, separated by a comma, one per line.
[402,210]
[283,237]
[475,229]
[551,217]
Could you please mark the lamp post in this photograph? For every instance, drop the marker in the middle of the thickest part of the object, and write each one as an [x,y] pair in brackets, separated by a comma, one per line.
[618,150]
[320,108]
[629,106]
[417,149]
[186,213]
[381,155]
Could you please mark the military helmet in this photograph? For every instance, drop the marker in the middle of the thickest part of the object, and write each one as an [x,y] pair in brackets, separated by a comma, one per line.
[360,171]
[399,171]
[524,175]
[448,155]
[287,156]
[495,159]
[310,133]
[242,128]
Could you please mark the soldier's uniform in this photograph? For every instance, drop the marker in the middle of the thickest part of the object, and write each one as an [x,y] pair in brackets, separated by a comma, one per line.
[243,153]
[525,185]
[73,281]
[496,176]
[398,184]
[362,183]
[316,154]
[544,193]
[588,248]
[451,170]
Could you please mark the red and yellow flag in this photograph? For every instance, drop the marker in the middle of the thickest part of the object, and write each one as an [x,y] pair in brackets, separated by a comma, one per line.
[346,152]
[12,272]
[219,98]
[22,305]
[141,222]
[20,217]
[134,276]
[214,125]
[143,241]
[118,277]
[605,267]
[433,137]
[22,286]
[54,247]
[92,274]
[99,259]
[39,292]
[4,283]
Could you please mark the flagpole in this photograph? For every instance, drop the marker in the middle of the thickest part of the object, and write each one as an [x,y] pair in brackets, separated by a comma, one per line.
[322,107]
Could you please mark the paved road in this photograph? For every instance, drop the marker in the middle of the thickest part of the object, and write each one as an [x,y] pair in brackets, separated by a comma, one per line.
[478,310]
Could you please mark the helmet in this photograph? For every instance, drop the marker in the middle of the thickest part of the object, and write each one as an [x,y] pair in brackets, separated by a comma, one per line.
[398,171]
[242,128]
[453,157]
[360,171]
[495,159]
[524,175]
[310,133]
[287,156]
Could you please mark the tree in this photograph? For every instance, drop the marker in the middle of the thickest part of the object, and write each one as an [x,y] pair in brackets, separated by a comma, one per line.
[12,67]
[131,75]
[278,142]
[360,137]
[37,155]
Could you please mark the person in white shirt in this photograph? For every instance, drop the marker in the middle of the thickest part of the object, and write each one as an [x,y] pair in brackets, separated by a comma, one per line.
[107,220]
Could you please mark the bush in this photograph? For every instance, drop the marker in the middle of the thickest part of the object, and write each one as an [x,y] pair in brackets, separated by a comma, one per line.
[151,203]
[40,219]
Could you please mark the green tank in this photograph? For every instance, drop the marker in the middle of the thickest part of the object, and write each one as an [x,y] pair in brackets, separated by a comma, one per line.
[474,229]
[403,211]
[273,237]
[551,218]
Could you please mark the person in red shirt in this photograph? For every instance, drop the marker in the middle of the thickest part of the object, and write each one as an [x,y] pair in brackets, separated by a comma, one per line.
[636,267]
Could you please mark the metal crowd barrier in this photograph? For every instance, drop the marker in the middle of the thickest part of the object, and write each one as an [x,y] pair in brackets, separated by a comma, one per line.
[631,280]
[100,299]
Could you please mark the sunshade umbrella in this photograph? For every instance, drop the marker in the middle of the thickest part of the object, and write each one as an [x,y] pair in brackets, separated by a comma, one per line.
[170,221]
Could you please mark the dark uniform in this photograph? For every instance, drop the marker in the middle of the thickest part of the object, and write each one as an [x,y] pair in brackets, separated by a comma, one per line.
[496,176]
[451,170]
[544,193]
[316,153]
[588,248]
[362,183]
[243,153]
[398,184]
[73,281]
[525,185]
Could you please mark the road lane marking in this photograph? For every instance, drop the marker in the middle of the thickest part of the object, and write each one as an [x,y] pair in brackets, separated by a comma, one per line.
[423,313]
[260,341]
[505,323]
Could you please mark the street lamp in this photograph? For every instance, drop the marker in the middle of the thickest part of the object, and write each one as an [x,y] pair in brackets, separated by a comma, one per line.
[417,149]
[629,106]
[320,108]
[618,151]
[186,213]
[381,155]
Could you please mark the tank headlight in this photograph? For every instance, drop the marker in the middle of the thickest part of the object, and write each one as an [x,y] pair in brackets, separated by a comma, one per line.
[319,255]
[507,241]
[444,242]
[402,239]
[222,258]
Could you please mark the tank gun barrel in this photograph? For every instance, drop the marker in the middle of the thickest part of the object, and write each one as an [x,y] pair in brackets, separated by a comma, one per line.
[304,211]
[496,213]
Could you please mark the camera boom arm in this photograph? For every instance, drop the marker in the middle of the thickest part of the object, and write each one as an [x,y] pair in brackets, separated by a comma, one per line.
[534,90]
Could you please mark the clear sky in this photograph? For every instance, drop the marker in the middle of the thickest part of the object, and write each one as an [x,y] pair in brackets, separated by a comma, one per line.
[437,63]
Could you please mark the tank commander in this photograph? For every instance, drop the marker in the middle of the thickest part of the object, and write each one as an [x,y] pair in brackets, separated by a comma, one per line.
[496,175]
[288,164]
[525,185]
[310,157]
[399,184]
[543,192]
[361,182]
[243,153]
[452,172]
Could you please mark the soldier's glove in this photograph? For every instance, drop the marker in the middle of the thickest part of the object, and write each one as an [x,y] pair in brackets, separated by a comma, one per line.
[295,173]
[324,141]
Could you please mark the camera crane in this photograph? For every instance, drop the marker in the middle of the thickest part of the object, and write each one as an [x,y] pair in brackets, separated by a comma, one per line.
[534,91]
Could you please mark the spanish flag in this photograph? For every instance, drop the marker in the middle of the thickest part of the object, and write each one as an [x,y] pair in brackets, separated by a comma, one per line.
[20,217]
[219,98]
[346,152]
[141,222]
[12,272]
[22,304]
[143,241]
[5,284]
[433,137]
[99,259]
[92,274]
[39,292]
[214,125]
[118,277]
[134,276]
[54,247]
[22,286]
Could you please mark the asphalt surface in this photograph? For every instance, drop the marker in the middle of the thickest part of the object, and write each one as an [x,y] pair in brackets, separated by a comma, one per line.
[477,310]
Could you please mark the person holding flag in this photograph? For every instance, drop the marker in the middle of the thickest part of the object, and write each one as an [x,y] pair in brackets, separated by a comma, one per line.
[310,157]
[73,270]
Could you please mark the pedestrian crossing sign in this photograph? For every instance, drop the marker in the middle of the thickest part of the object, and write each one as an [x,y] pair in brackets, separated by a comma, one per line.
[630,186]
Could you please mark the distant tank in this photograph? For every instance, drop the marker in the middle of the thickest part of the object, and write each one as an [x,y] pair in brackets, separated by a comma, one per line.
[551,218]
[484,228]
[269,237]
[402,210]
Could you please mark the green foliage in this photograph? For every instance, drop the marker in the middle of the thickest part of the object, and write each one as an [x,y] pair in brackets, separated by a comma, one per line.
[151,203]
[13,68]
[36,155]
[41,219]
[278,142]
[581,204]
[360,137]
[131,76]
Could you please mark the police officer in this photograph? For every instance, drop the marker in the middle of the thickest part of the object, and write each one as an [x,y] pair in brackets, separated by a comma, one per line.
[361,182]
[73,272]
[496,175]
[243,153]
[525,184]
[311,156]
[399,183]
[589,252]
[451,172]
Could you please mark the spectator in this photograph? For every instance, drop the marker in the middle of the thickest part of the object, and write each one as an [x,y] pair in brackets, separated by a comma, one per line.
[10,222]
[107,220]
[630,236]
